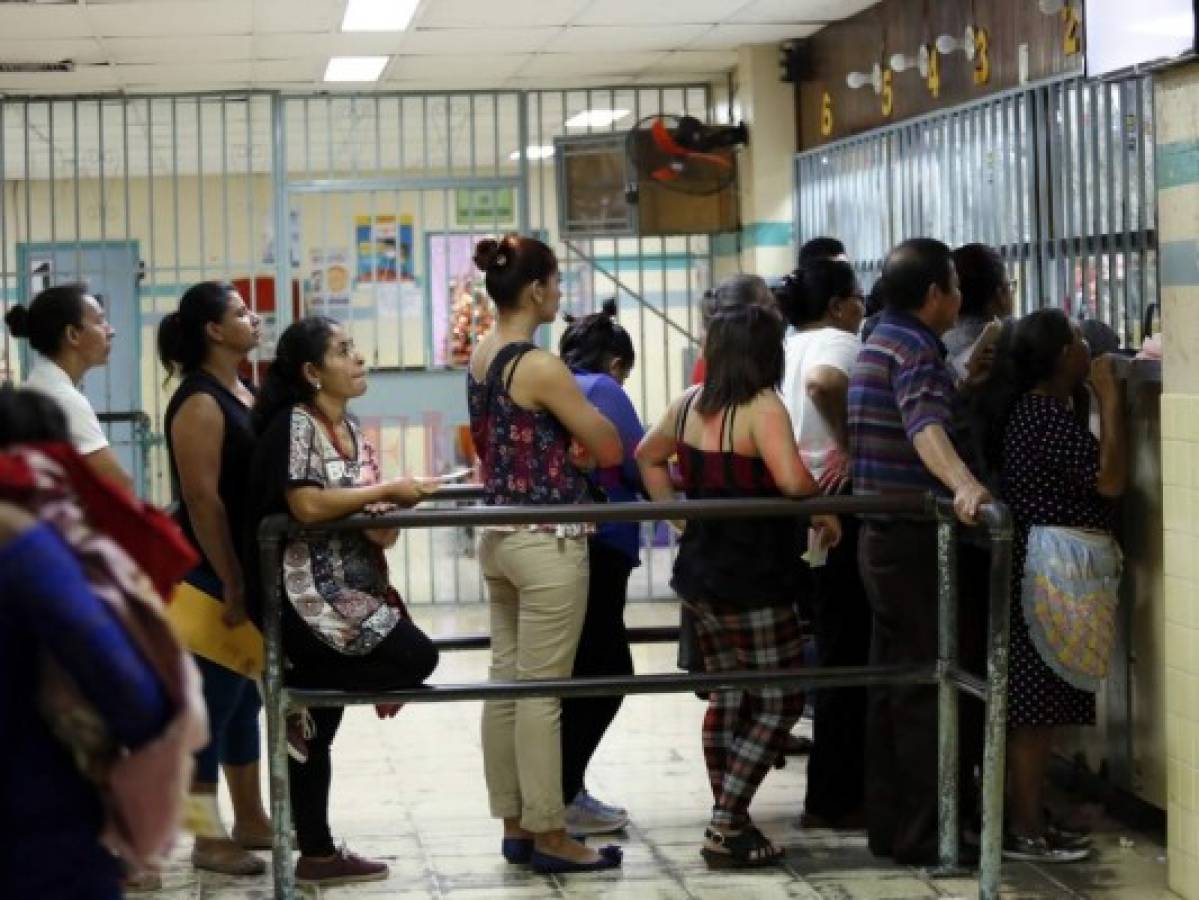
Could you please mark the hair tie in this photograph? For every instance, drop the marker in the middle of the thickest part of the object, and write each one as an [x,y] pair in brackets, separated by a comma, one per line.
[500,261]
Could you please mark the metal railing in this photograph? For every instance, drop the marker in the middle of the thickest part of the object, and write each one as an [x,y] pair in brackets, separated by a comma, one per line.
[945,671]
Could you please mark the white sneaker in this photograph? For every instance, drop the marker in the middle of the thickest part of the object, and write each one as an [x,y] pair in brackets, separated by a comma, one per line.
[587,815]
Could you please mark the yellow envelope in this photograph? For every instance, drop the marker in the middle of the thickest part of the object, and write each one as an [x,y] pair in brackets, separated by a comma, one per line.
[196,618]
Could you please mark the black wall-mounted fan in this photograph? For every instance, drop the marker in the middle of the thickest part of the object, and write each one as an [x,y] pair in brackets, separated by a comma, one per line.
[681,153]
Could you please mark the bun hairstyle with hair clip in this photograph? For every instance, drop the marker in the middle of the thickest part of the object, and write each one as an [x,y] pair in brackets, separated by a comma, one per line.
[805,295]
[593,342]
[512,263]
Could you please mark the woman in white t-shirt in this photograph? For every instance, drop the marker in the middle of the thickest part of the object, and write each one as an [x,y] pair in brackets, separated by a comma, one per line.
[824,303]
[67,328]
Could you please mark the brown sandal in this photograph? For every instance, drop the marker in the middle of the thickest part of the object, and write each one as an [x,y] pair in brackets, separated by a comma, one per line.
[747,849]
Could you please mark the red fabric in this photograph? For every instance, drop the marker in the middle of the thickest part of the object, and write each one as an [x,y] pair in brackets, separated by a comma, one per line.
[147,534]
[699,371]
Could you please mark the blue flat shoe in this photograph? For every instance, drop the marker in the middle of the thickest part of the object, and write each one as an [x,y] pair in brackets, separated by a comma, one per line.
[517,850]
[610,858]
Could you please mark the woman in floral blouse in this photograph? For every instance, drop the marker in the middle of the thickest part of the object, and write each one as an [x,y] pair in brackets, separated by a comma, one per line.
[344,626]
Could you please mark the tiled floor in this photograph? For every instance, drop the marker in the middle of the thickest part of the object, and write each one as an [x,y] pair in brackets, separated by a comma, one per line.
[410,790]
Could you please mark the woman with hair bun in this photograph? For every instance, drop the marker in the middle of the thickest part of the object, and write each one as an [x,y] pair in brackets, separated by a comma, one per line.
[525,411]
[67,327]
[209,443]
[600,353]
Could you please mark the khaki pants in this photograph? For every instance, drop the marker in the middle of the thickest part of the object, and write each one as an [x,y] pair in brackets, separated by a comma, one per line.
[538,588]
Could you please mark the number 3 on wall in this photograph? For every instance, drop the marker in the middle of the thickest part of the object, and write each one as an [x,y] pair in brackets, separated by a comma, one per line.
[1072,39]
[982,56]
[888,92]
[826,114]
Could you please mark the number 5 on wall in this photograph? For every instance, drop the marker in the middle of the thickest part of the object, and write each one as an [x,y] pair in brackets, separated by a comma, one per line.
[1072,39]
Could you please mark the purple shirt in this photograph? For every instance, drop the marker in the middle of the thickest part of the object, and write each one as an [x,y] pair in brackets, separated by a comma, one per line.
[899,386]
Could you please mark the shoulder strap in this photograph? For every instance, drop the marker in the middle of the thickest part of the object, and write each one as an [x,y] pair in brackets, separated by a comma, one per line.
[513,351]
[681,422]
[731,414]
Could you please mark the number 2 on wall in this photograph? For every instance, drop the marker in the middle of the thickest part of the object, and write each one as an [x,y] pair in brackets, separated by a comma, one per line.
[888,92]
[826,114]
[982,56]
[1072,39]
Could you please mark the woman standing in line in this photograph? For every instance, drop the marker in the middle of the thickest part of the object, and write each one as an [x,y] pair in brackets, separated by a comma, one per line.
[600,354]
[525,409]
[824,303]
[67,328]
[740,577]
[209,442]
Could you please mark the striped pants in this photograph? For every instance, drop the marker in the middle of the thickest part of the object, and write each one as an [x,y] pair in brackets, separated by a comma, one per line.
[745,730]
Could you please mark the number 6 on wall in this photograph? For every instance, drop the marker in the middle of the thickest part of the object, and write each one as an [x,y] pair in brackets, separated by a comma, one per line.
[826,114]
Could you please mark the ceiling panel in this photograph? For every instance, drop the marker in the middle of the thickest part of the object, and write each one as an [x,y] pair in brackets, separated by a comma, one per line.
[493,66]
[163,49]
[731,36]
[171,17]
[707,61]
[203,75]
[80,50]
[462,40]
[488,15]
[771,11]
[28,21]
[555,64]
[282,16]
[275,70]
[319,47]
[641,12]
[603,39]
[84,80]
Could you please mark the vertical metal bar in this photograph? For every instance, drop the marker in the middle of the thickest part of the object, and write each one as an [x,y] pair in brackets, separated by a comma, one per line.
[522,199]
[1041,162]
[1111,107]
[152,267]
[1070,229]
[200,186]
[1097,237]
[78,217]
[51,181]
[1084,239]
[995,748]
[270,549]
[226,269]
[1126,203]
[1144,212]
[947,694]
[175,191]
[9,375]
[279,198]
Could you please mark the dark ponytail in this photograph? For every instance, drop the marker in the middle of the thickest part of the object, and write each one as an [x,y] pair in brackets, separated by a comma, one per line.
[804,295]
[47,318]
[303,341]
[182,335]
[592,342]
[511,263]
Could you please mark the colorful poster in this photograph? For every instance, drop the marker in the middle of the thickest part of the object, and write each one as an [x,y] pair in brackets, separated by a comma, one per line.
[384,248]
[330,279]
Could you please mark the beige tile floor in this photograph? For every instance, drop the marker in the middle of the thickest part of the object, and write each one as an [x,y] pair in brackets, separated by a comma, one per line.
[410,790]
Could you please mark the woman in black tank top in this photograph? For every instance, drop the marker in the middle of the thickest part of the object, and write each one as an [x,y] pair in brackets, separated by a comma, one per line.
[210,441]
[738,576]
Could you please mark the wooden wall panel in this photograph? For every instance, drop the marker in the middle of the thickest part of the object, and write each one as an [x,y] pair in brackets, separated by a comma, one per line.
[901,26]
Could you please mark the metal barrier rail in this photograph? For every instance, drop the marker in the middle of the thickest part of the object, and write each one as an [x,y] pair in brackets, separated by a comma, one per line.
[944,672]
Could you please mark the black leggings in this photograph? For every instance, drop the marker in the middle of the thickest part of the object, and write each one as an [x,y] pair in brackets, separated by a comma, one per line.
[603,651]
[405,658]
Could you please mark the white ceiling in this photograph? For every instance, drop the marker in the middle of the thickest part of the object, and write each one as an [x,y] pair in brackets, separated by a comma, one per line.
[169,46]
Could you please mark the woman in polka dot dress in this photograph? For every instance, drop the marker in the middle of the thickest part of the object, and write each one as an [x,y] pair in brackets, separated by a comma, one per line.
[1054,472]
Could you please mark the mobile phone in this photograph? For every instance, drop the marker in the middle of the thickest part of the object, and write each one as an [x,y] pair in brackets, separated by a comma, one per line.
[989,336]
[456,475]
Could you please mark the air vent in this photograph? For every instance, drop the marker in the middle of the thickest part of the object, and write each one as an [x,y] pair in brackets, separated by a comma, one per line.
[35,68]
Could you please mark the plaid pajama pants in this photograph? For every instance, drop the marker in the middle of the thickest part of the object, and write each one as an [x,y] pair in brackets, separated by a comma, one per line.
[745,730]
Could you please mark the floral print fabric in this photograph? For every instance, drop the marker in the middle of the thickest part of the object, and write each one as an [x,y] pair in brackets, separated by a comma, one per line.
[338,583]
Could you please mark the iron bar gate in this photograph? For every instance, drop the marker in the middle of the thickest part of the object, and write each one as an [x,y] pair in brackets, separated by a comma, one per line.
[1058,177]
[361,206]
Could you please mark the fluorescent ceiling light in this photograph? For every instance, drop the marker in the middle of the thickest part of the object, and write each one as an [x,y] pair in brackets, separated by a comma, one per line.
[1165,26]
[596,118]
[542,151]
[355,68]
[378,15]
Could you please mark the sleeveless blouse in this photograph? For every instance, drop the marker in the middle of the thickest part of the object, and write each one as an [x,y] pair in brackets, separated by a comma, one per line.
[737,563]
[237,447]
[524,454]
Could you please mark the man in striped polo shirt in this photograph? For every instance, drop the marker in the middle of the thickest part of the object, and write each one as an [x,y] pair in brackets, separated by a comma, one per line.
[901,412]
